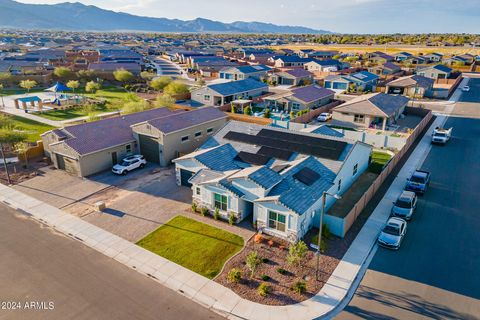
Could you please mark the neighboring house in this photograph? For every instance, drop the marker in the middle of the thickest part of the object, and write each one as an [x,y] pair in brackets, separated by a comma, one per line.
[379,57]
[92,147]
[465,59]
[324,65]
[223,93]
[416,60]
[243,72]
[292,77]
[288,61]
[308,97]
[304,53]
[402,56]
[433,57]
[374,110]
[385,69]
[322,55]
[436,72]
[362,80]
[107,68]
[410,86]
[272,177]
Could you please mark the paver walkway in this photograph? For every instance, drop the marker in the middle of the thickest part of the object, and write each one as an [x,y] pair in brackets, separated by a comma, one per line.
[210,294]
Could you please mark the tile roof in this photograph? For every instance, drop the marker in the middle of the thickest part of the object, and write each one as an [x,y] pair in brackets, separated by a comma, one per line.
[311,93]
[179,121]
[327,131]
[265,177]
[95,136]
[290,59]
[219,159]
[298,72]
[377,104]
[364,76]
[252,69]
[235,87]
[410,81]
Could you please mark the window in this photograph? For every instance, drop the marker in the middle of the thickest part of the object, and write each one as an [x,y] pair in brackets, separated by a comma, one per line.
[277,221]
[209,130]
[295,105]
[359,118]
[197,191]
[355,169]
[339,185]
[220,201]
[128,148]
[198,134]
[206,97]
[184,138]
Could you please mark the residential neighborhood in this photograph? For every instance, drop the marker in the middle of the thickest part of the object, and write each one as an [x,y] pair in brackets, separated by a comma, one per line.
[155,166]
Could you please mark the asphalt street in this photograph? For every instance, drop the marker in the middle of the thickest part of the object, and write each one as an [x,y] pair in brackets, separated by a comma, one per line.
[474,94]
[436,272]
[45,275]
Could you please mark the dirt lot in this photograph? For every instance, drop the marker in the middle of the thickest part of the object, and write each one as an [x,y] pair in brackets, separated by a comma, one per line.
[19,173]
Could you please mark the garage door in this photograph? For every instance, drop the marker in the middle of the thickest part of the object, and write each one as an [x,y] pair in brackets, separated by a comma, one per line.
[184,176]
[149,148]
[67,164]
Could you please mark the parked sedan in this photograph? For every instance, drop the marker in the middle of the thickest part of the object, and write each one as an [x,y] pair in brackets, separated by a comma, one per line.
[324,116]
[405,205]
[392,233]
[129,163]
[466,89]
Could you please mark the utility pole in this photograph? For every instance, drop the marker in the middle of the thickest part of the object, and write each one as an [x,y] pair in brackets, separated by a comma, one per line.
[5,163]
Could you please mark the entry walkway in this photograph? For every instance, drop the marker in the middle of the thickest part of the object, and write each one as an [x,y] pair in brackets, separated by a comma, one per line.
[328,302]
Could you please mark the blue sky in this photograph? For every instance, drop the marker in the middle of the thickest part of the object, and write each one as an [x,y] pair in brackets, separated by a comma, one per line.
[344,16]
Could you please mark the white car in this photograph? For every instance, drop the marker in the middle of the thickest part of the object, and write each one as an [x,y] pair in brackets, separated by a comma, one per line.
[405,205]
[325,116]
[392,233]
[129,163]
[466,89]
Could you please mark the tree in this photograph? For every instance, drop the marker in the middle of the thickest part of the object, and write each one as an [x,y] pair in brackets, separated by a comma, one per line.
[122,75]
[73,84]
[86,75]
[5,77]
[135,106]
[28,84]
[147,75]
[164,100]
[296,252]
[92,87]
[63,73]
[8,137]
[160,83]
[175,88]
[22,148]
[267,113]
[252,262]
[247,110]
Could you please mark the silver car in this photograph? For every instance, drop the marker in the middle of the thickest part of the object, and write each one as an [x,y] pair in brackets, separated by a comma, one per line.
[392,233]
[405,205]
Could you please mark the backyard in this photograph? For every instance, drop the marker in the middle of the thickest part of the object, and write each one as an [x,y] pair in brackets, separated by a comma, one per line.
[32,129]
[193,245]
[379,160]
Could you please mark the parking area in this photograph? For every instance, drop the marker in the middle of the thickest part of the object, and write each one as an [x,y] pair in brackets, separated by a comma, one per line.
[137,203]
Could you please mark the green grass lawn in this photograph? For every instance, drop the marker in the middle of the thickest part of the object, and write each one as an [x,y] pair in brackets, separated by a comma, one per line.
[33,129]
[194,245]
[379,159]
[60,115]
[10,92]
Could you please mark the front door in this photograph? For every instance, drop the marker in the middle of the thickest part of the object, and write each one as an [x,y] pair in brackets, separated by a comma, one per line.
[114,158]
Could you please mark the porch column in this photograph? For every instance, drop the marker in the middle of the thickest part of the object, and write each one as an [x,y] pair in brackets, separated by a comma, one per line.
[384,124]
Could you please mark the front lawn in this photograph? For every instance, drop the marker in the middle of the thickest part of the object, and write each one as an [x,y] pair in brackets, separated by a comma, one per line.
[194,245]
[33,129]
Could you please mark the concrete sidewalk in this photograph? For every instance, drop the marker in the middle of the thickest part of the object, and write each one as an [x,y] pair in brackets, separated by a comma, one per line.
[331,299]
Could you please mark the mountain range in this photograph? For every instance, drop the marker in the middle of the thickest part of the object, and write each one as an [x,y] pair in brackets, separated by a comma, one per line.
[79,17]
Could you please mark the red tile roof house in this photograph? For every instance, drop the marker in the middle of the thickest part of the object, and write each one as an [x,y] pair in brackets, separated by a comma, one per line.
[159,134]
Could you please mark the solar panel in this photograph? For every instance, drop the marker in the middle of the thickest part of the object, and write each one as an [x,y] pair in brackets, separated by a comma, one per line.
[252,158]
[306,176]
[275,153]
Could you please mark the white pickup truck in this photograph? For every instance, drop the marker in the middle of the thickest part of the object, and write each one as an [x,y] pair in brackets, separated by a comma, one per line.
[441,135]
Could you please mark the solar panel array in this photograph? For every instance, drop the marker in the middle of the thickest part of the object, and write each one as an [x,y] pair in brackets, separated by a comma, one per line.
[319,147]
[252,158]
[306,176]
[275,153]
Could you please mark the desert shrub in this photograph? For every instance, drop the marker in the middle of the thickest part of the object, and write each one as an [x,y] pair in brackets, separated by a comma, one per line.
[265,277]
[252,262]
[234,275]
[296,252]
[263,289]
[204,211]
[232,219]
[300,287]
[194,207]
[265,260]
[216,214]
[281,271]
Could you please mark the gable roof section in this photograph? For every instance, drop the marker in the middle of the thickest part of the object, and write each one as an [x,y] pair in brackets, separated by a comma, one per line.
[376,104]
[179,121]
[364,76]
[311,93]
[95,136]
[253,69]
[265,177]
[411,81]
[235,87]
[219,159]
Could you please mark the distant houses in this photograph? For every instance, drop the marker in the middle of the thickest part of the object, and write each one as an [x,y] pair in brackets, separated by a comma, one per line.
[435,72]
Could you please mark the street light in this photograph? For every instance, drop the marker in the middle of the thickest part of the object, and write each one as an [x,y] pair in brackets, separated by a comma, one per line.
[324,197]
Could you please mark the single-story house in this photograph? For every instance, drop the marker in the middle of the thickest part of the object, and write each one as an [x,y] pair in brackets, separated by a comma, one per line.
[224,93]
[292,77]
[289,61]
[362,80]
[401,56]
[379,57]
[324,65]
[433,57]
[308,97]
[159,134]
[374,110]
[417,60]
[410,86]
[385,69]
[273,177]
[322,54]
[436,72]
[465,59]
[107,68]
[243,72]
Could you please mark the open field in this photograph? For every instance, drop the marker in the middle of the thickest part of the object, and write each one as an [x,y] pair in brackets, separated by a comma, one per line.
[391,49]
[194,245]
